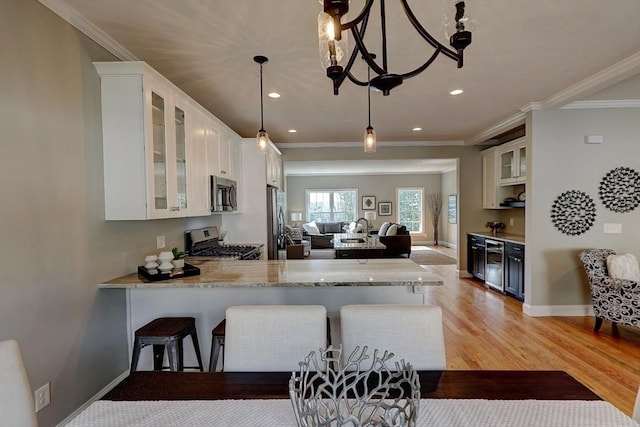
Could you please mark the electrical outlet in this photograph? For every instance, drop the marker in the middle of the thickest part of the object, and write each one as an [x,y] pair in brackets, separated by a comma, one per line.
[511,222]
[42,397]
[612,228]
[160,242]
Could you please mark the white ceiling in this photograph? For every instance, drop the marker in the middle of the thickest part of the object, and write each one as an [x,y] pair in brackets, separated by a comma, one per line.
[523,51]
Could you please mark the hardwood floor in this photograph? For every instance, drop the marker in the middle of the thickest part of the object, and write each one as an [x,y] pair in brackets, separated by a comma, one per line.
[486,330]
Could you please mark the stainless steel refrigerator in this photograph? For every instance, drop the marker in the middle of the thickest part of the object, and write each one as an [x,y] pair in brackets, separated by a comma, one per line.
[275,222]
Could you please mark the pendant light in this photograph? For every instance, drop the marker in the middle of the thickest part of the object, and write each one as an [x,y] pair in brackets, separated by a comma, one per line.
[369,133]
[262,138]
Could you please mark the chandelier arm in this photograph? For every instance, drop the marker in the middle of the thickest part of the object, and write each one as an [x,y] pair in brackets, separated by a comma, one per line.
[355,80]
[365,53]
[364,13]
[423,67]
[425,34]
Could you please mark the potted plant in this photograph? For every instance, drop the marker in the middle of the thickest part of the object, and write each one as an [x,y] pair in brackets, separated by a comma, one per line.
[178,258]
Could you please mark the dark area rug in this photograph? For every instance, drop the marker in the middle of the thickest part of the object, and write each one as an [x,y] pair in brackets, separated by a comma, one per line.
[431,257]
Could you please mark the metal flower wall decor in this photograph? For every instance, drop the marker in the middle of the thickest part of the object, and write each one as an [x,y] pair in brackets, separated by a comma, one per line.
[573,212]
[620,189]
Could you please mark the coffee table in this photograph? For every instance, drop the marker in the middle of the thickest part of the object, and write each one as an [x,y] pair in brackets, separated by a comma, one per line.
[357,245]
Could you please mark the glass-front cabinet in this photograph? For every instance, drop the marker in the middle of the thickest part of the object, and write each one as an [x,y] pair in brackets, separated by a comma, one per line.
[512,159]
[159,146]
[168,168]
[159,137]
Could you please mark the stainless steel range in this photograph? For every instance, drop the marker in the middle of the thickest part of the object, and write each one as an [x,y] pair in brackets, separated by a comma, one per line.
[204,243]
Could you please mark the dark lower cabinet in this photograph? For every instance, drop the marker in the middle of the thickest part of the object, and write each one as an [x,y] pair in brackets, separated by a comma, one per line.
[476,256]
[514,269]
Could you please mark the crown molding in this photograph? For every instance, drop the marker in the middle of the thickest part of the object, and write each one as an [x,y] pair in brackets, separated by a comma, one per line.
[609,76]
[503,126]
[614,103]
[359,144]
[69,14]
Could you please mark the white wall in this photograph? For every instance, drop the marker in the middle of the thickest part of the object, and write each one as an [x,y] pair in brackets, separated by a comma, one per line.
[561,161]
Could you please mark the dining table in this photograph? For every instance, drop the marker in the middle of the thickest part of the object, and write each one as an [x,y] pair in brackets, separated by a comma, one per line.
[460,398]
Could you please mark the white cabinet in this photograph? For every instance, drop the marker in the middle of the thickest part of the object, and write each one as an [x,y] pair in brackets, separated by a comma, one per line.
[222,152]
[199,197]
[145,144]
[492,194]
[275,174]
[159,146]
[513,163]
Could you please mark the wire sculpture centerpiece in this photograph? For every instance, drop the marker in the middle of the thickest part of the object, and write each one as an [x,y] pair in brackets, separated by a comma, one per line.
[365,392]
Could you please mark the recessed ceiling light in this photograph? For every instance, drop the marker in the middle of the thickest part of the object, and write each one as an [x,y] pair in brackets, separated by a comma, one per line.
[274,95]
[456,92]
[292,131]
[416,129]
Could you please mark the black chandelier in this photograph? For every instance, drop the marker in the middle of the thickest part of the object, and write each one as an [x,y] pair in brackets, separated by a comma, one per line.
[333,44]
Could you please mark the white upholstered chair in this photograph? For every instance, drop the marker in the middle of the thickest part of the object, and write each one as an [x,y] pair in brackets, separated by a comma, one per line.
[413,332]
[16,402]
[636,408]
[272,337]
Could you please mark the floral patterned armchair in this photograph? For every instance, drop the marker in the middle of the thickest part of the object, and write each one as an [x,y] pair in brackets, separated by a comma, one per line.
[617,300]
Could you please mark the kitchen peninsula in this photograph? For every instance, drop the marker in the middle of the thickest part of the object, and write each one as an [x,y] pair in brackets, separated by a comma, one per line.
[223,283]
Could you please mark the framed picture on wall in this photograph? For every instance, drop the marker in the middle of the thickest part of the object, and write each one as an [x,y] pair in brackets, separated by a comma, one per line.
[368,203]
[453,208]
[384,208]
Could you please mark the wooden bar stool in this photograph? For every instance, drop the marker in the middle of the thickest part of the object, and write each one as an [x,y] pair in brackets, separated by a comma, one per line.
[217,343]
[166,332]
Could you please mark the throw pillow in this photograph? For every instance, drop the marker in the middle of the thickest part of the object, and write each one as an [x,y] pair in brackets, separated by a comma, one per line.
[294,233]
[311,228]
[383,229]
[392,230]
[623,266]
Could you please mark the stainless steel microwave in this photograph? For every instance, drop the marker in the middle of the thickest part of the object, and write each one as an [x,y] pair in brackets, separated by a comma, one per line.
[224,196]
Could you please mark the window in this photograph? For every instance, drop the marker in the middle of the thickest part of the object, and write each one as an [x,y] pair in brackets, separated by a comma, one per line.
[331,205]
[410,208]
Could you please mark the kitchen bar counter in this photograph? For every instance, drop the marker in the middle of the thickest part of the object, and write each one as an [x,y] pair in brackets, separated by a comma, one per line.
[216,273]
[225,283]
[515,238]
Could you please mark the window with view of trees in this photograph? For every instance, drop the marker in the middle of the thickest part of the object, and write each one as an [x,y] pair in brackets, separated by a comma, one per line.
[332,205]
[410,208]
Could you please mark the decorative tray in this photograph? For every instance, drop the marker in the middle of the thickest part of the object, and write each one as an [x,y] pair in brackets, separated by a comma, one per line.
[187,270]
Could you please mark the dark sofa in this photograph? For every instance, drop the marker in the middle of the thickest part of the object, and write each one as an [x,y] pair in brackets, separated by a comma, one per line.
[397,245]
[327,230]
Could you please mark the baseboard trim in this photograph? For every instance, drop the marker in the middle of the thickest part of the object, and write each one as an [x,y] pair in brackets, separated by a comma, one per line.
[94,398]
[557,310]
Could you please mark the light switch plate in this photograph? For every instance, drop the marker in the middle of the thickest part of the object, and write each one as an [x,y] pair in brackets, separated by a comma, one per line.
[160,242]
[613,228]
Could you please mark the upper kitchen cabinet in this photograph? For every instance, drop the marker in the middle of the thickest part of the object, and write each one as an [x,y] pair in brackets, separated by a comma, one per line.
[155,145]
[492,193]
[513,162]
[275,175]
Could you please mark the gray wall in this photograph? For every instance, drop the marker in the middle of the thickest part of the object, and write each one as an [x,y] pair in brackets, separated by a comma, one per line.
[56,246]
[560,161]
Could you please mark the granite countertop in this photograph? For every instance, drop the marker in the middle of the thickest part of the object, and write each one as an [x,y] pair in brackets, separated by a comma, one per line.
[515,238]
[291,273]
